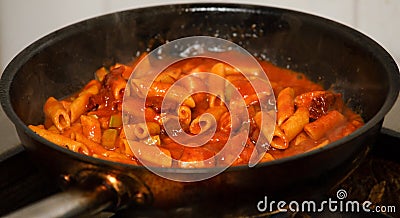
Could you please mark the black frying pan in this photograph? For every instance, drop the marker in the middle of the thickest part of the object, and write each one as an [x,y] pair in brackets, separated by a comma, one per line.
[329,53]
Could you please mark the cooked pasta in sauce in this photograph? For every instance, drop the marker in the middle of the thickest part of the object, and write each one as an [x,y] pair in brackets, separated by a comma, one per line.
[91,121]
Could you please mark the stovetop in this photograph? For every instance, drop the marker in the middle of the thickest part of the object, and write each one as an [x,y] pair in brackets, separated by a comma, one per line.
[376,180]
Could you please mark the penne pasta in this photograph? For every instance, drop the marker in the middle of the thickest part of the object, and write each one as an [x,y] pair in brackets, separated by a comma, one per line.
[206,121]
[140,131]
[285,105]
[98,149]
[78,106]
[58,115]
[93,88]
[160,121]
[159,89]
[61,140]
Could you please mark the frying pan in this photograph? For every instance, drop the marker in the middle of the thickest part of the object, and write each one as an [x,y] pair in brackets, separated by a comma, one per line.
[329,53]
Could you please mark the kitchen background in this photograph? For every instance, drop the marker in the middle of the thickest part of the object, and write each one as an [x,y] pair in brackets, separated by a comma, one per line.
[23,22]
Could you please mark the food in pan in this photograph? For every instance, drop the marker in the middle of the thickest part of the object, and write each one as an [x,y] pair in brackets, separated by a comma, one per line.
[91,121]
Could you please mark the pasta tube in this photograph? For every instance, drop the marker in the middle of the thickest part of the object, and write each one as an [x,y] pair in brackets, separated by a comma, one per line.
[300,138]
[93,87]
[159,89]
[279,140]
[285,105]
[203,122]
[78,106]
[144,130]
[54,110]
[96,148]
[295,124]
[324,124]
[60,140]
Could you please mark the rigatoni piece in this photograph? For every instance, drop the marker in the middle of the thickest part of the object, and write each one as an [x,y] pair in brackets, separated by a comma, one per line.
[324,124]
[279,140]
[159,89]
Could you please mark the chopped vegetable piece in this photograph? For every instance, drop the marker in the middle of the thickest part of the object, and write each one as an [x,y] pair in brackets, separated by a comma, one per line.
[101,73]
[115,121]
[109,137]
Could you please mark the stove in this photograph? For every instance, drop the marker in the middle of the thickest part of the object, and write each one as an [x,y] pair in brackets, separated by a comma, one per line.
[376,180]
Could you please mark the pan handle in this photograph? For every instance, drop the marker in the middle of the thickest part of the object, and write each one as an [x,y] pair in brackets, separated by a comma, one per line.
[68,204]
[91,192]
